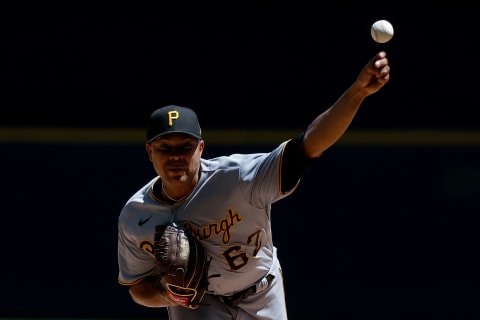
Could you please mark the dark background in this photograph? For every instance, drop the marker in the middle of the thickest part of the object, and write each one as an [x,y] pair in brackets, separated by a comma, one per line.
[373,232]
[241,67]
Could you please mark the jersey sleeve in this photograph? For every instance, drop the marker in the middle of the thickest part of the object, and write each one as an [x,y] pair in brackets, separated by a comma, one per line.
[135,245]
[260,177]
[134,262]
[294,164]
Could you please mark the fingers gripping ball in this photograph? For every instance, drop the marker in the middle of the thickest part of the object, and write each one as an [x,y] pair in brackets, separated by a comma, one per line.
[182,264]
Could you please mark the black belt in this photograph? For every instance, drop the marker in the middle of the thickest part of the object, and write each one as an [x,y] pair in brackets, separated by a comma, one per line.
[236,298]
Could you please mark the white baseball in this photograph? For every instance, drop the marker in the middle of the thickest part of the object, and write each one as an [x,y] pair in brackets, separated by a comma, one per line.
[381,31]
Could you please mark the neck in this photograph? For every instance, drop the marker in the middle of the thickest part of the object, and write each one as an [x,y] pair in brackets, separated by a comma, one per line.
[174,199]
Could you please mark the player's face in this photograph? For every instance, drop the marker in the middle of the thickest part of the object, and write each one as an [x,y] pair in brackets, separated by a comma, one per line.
[176,157]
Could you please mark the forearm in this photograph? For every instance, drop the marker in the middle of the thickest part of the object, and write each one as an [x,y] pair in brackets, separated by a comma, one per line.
[328,127]
[145,293]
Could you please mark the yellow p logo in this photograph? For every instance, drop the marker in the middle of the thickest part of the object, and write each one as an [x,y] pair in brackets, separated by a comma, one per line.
[172,115]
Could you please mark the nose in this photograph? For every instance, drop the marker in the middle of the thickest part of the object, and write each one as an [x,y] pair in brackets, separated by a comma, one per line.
[176,157]
[176,153]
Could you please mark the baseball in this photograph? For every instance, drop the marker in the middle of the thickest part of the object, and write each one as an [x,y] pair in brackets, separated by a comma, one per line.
[382,31]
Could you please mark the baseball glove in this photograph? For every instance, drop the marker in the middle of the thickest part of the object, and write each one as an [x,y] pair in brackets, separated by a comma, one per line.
[182,263]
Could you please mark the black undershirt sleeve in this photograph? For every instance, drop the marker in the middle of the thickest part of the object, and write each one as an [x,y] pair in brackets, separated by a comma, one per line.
[294,164]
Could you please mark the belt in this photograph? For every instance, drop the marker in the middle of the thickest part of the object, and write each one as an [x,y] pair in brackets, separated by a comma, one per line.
[236,298]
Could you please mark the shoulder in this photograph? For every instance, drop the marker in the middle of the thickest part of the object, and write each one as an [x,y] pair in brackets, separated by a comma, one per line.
[240,159]
[243,162]
[235,160]
[139,195]
[140,198]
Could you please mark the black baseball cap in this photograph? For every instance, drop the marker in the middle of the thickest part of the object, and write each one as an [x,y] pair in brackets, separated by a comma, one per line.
[173,119]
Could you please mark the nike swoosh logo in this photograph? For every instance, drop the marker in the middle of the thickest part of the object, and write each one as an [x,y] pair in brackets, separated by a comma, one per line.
[142,222]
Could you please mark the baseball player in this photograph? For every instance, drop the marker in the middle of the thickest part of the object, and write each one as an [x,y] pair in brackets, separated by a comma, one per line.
[225,203]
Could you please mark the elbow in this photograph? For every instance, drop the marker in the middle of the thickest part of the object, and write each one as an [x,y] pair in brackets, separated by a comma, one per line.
[313,153]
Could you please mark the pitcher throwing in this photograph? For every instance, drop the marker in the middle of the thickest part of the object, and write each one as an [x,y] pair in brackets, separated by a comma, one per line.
[223,204]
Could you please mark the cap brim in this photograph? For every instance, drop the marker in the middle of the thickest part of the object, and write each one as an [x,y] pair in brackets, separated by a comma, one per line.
[175,131]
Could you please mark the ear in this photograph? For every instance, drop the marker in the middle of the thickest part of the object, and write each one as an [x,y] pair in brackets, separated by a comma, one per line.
[148,148]
[201,146]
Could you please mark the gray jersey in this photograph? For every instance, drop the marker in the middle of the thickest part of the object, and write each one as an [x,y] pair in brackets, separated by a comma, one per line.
[228,211]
